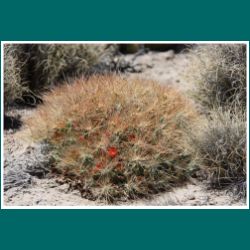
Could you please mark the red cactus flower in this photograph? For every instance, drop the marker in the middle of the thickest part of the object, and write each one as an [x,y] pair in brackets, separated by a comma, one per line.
[98,167]
[81,138]
[112,152]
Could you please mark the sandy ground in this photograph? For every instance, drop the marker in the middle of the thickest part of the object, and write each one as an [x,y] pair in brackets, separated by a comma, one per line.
[47,192]
[165,67]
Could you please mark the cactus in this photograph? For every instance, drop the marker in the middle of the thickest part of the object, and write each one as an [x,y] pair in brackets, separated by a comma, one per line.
[116,139]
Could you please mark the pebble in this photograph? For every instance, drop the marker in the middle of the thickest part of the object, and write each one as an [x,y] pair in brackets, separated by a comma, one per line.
[191,197]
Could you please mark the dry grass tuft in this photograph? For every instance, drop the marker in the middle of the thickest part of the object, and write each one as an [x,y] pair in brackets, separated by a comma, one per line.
[221,143]
[32,68]
[219,73]
[14,86]
[51,63]
[116,139]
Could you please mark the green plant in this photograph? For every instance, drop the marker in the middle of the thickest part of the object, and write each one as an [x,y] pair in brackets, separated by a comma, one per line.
[114,138]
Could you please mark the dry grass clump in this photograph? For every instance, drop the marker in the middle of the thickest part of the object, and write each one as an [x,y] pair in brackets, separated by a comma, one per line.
[221,143]
[14,86]
[51,63]
[32,68]
[116,139]
[219,73]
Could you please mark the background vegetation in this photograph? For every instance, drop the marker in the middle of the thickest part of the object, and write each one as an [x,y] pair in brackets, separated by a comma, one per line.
[219,72]
[32,68]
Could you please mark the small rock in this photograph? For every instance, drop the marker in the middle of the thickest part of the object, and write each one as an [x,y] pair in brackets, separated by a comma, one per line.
[191,197]
[169,55]
[212,203]
[63,188]
[137,68]
[150,66]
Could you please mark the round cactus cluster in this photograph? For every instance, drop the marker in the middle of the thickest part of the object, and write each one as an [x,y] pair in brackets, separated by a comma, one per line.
[115,138]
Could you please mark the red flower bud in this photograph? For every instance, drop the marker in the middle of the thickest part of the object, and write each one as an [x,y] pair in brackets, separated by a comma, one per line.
[112,152]
[98,167]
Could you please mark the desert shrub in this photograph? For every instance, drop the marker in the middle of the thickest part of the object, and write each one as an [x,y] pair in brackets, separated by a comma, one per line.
[39,67]
[14,85]
[114,138]
[221,143]
[51,63]
[219,73]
